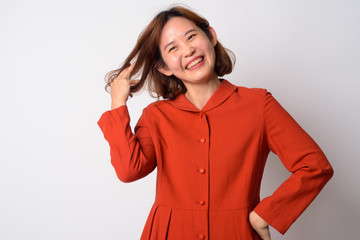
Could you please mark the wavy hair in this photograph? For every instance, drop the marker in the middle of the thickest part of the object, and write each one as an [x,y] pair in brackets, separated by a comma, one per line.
[147,57]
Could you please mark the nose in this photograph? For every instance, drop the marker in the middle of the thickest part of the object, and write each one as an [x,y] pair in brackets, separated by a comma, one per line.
[189,50]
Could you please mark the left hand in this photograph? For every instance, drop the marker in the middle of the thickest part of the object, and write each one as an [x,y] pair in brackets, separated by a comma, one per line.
[260,226]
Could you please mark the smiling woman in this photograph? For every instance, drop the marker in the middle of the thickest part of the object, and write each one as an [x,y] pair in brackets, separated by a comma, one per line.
[185,48]
[207,187]
[149,56]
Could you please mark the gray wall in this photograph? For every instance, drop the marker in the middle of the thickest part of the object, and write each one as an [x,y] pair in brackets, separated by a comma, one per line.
[56,180]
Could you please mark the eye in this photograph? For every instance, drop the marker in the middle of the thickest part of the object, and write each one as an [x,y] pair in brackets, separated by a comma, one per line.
[171,49]
[191,36]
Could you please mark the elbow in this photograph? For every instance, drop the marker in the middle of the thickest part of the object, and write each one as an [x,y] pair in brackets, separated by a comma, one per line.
[131,175]
[326,172]
[329,172]
[126,177]
[131,172]
[125,173]
[126,180]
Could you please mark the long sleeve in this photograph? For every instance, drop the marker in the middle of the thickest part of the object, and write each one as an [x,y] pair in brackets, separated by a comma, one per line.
[132,155]
[302,157]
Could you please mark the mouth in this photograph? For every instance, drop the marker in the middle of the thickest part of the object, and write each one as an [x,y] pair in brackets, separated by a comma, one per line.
[194,63]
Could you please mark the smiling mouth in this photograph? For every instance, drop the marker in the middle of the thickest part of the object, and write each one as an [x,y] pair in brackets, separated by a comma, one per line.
[194,63]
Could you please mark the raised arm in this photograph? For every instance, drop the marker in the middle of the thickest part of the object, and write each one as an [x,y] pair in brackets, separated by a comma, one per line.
[302,157]
[132,155]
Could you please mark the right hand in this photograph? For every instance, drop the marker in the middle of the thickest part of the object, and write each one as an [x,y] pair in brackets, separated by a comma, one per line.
[120,87]
[260,226]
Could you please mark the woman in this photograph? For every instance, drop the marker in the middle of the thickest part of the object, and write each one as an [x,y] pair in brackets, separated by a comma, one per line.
[208,138]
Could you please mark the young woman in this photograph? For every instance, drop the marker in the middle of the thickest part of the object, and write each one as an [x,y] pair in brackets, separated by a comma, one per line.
[208,138]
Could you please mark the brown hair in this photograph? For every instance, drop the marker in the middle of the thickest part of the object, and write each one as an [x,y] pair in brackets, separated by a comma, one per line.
[146,54]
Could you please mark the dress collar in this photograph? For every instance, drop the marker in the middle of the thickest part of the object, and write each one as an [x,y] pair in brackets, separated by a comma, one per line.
[223,92]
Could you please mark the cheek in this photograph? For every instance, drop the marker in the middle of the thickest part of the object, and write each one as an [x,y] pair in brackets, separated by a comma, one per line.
[173,61]
[208,48]
[211,54]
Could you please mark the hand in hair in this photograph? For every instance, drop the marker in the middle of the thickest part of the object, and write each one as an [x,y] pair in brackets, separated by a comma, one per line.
[120,87]
[260,226]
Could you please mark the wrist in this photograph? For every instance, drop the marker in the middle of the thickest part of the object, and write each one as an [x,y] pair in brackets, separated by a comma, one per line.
[117,104]
[255,219]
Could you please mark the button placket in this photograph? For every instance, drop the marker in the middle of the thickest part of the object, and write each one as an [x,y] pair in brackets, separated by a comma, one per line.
[202,140]
[202,196]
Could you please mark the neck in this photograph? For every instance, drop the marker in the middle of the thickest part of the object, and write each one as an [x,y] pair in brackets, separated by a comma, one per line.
[199,94]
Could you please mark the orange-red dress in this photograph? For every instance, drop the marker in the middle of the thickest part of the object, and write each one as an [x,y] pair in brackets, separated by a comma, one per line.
[210,163]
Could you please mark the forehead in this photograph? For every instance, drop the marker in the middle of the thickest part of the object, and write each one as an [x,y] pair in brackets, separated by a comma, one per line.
[176,27]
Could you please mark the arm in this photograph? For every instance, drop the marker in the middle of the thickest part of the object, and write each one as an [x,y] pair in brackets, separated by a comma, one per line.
[132,155]
[302,157]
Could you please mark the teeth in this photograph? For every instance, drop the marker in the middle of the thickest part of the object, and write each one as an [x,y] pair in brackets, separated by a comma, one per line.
[192,64]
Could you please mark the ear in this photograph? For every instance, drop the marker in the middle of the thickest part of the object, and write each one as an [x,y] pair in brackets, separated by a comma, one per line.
[164,70]
[213,36]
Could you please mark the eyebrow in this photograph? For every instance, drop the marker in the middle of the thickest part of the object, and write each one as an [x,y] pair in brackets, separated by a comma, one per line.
[186,33]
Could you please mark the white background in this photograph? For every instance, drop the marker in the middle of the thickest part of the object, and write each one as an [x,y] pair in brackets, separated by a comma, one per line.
[56,180]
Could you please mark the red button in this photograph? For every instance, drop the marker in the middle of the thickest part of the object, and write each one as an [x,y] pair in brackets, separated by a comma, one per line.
[201,115]
[201,202]
[202,170]
[203,140]
[201,236]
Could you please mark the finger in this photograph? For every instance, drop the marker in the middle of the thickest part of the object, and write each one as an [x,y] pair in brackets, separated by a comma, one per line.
[127,71]
[131,67]
[132,82]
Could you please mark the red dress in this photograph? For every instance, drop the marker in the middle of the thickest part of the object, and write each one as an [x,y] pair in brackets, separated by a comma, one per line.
[210,163]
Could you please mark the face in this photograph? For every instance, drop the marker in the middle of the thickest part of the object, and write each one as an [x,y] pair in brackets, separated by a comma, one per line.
[187,52]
